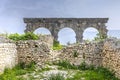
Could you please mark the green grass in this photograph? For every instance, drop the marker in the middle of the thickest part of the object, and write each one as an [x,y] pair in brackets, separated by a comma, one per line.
[91,75]
[81,72]
[65,64]
[18,70]
[87,75]
[88,72]
[56,77]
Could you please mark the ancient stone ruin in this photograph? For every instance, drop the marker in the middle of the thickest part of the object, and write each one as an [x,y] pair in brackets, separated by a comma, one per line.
[77,24]
[105,53]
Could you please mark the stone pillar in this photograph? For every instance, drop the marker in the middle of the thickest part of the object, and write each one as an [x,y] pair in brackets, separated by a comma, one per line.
[79,38]
[79,35]
[103,31]
[54,31]
[29,27]
[55,37]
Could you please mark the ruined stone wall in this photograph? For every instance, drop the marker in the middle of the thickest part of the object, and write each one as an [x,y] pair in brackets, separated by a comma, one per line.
[32,50]
[35,50]
[48,39]
[88,52]
[111,55]
[105,53]
[8,56]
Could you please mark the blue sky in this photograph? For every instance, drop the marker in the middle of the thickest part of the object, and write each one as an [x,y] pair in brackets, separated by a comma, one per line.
[13,11]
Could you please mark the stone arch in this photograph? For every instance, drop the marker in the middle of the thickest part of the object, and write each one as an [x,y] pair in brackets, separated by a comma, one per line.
[68,35]
[90,33]
[42,30]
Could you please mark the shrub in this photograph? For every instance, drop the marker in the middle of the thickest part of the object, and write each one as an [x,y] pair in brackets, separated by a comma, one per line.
[26,36]
[100,37]
[56,45]
[83,66]
[29,36]
[14,37]
[56,77]
[75,53]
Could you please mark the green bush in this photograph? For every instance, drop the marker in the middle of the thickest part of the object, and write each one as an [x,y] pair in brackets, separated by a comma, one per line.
[75,53]
[56,45]
[26,36]
[100,37]
[14,37]
[83,66]
[56,77]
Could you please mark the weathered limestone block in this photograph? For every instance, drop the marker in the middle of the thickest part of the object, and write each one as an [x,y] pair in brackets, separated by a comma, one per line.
[8,56]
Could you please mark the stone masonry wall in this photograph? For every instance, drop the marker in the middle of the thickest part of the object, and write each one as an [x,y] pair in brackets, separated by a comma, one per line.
[111,55]
[48,39]
[8,56]
[35,50]
[88,52]
[32,50]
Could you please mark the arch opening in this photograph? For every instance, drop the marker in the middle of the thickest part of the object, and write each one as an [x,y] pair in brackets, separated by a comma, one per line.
[66,36]
[42,31]
[90,33]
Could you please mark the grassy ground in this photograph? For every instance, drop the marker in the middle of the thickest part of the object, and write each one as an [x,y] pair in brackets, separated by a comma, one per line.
[62,70]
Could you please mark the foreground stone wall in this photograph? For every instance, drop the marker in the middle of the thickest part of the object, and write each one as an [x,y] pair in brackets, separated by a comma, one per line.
[8,56]
[32,51]
[106,53]
[111,55]
[88,52]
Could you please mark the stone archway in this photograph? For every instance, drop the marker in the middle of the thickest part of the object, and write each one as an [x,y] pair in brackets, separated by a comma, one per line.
[77,24]
[66,36]
[90,33]
[42,31]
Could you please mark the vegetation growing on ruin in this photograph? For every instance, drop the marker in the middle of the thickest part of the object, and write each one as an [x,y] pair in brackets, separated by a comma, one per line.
[100,37]
[26,36]
[75,53]
[57,45]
